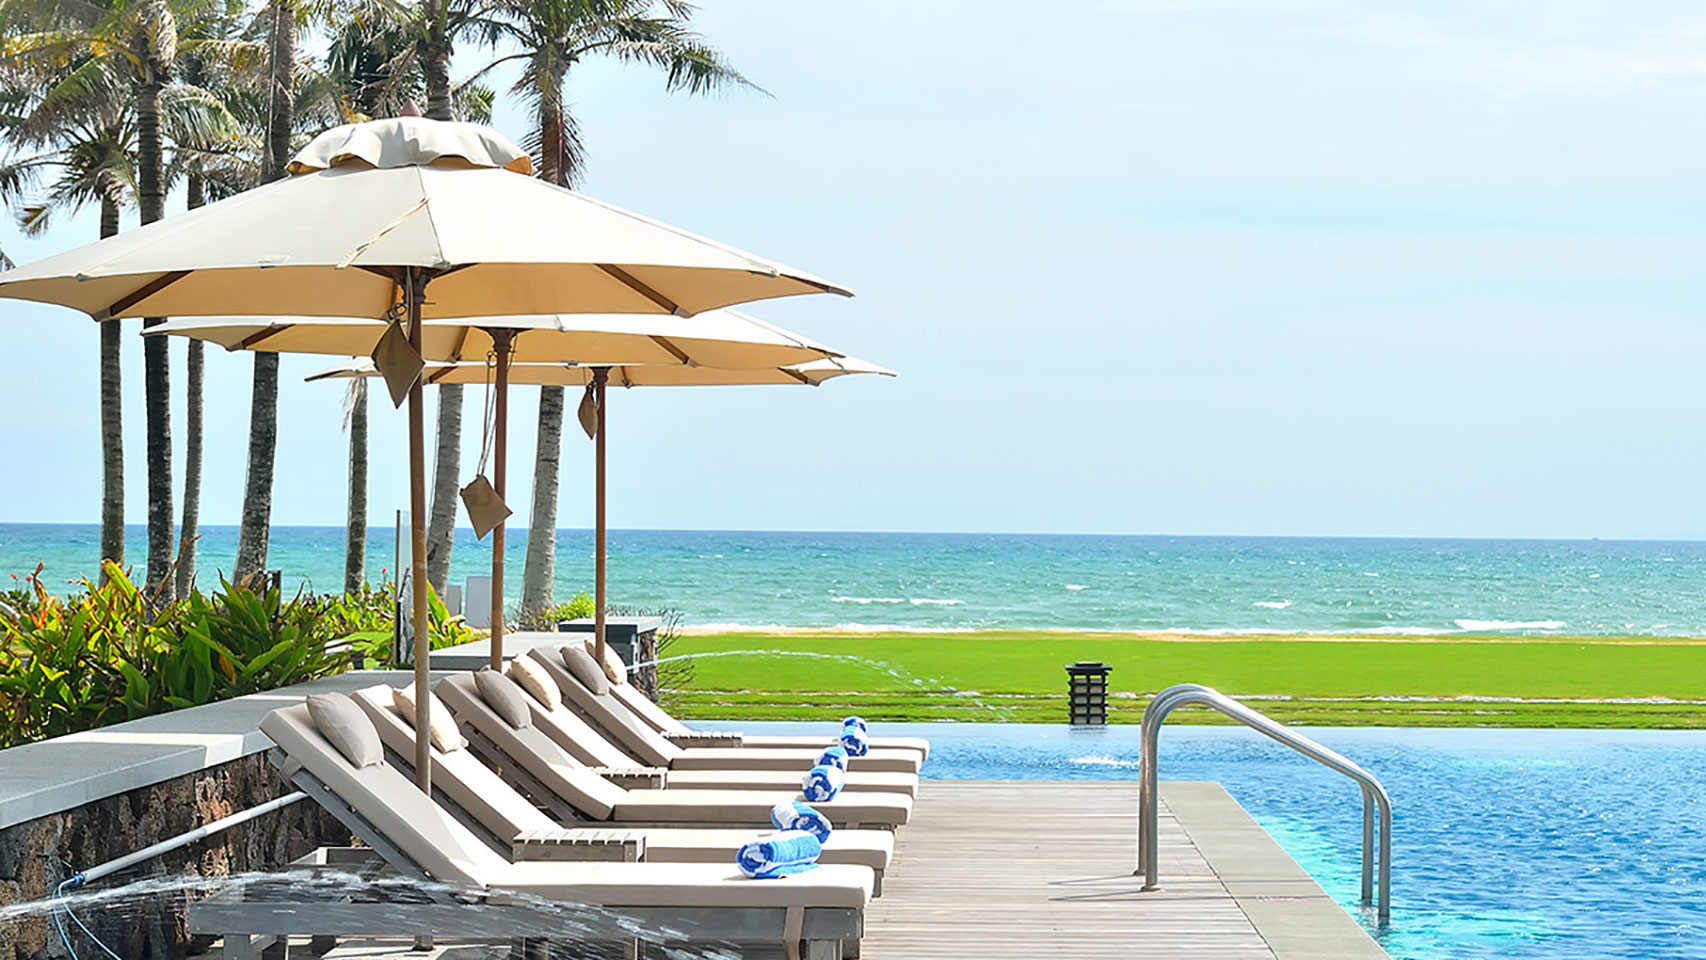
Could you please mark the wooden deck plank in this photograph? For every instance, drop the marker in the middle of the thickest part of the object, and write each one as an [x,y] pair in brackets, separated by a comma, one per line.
[1028,869]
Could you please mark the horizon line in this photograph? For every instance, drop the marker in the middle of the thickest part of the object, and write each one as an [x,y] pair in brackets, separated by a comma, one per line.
[1676,538]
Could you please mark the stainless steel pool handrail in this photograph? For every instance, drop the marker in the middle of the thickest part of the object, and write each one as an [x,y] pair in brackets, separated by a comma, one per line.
[1374,796]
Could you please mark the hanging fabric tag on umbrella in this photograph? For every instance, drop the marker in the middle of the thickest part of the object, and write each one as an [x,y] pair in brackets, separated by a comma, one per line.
[587,413]
[485,508]
[398,362]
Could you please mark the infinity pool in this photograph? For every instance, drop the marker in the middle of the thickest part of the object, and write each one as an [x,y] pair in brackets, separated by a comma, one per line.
[1507,843]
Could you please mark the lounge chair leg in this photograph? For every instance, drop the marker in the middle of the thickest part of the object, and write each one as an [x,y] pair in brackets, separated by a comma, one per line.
[422,944]
[242,946]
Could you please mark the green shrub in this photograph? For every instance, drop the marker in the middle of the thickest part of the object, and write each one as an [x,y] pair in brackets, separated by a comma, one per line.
[105,654]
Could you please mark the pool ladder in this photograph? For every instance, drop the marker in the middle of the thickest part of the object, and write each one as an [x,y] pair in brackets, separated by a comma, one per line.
[1374,799]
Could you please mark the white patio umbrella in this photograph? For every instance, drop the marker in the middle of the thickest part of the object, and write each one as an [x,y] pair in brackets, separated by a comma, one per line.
[595,377]
[373,214]
[715,338]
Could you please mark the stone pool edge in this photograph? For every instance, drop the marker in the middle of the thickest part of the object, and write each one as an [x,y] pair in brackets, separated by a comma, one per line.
[1282,901]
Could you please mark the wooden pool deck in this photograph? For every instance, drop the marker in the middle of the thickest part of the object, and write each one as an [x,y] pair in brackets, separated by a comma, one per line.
[1023,869]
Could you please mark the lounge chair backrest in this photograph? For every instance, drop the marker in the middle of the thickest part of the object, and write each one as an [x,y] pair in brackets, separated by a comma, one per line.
[577,737]
[532,750]
[425,832]
[617,721]
[469,784]
[650,713]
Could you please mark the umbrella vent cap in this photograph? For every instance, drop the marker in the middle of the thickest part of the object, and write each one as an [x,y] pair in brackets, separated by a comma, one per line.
[410,142]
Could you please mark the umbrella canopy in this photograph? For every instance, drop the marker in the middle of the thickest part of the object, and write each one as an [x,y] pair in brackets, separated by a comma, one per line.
[595,378]
[407,192]
[716,338]
[624,375]
[373,215]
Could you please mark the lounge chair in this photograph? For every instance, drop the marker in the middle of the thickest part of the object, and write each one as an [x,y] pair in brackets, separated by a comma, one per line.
[486,897]
[652,748]
[531,760]
[490,806]
[682,735]
[587,744]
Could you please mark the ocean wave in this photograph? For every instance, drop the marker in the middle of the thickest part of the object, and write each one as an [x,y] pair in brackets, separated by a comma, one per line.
[1075,586]
[1474,625]
[1273,604]
[704,628]
[915,601]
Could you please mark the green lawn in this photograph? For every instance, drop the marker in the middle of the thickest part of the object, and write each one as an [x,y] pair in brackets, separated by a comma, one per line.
[1019,676]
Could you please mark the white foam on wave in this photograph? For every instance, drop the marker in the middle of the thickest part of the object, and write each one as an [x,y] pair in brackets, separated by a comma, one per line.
[1075,586]
[915,601]
[777,628]
[1474,625]
[1273,604]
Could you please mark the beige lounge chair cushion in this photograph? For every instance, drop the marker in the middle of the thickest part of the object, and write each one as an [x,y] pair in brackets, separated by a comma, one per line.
[440,723]
[687,885]
[341,722]
[534,680]
[503,696]
[584,668]
[614,668]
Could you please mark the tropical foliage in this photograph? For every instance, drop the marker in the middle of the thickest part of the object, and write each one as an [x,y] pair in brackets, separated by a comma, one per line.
[107,653]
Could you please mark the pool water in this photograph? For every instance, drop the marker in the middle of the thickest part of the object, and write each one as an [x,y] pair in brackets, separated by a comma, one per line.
[1507,843]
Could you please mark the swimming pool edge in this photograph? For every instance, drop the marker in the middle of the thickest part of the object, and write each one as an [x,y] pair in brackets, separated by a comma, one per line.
[1282,901]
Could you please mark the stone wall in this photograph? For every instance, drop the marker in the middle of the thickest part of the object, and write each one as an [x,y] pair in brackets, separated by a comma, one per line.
[37,854]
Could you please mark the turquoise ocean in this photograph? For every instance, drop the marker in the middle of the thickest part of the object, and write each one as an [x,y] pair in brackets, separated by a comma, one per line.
[969,581]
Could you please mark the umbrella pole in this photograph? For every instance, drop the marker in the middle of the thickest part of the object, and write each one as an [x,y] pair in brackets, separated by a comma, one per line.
[500,442]
[412,291]
[599,377]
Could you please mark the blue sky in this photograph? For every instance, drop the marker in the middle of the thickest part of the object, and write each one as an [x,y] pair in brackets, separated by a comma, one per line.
[1311,267]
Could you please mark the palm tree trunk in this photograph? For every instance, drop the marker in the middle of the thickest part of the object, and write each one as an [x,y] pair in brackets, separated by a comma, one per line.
[447,467]
[355,527]
[188,529]
[156,369]
[252,535]
[447,464]
[112,420]
[540,572]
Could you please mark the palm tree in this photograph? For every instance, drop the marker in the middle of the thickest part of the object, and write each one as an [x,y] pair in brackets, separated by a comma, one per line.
[355,524]
[138,40]
[80,124]
[551,36]
[421,37]
[253,532]
[210,163]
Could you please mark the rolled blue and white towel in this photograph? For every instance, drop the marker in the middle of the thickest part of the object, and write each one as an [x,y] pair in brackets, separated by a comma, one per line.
[835,756]
[794,851]
[854,737]
[823,782]
[799,815]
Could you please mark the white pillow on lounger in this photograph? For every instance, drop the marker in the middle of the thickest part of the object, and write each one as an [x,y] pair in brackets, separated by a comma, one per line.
[441,726]
[613,666]
[535,681]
